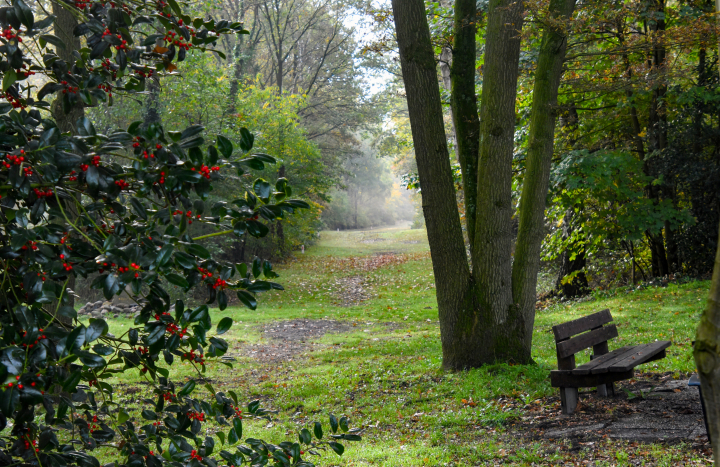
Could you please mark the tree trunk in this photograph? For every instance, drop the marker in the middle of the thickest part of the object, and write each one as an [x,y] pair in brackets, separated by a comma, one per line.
[458,321]
[480,321]
[491,252]
[543,115]
[464,106]
[707,358]
[64,24]
[657,129]
[569,265]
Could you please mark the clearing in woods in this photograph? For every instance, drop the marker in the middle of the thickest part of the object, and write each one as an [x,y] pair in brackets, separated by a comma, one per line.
[356,333]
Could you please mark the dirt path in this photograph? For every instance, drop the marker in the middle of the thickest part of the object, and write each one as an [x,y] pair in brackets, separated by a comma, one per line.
[658,409]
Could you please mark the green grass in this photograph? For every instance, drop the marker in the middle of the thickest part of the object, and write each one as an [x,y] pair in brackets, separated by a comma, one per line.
[388,379]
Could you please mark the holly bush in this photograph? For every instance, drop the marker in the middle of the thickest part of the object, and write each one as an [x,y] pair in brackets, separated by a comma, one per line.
[115,208]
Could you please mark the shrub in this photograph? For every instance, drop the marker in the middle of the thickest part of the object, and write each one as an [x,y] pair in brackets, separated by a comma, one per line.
[115,208]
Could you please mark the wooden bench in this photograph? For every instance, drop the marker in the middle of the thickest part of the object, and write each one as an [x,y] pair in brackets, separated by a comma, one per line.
[604,367]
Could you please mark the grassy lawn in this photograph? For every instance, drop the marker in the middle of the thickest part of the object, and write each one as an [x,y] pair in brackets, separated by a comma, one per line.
[384,372]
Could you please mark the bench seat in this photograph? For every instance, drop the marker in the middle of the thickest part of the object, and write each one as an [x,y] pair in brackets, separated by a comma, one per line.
[613,366]
[605,367]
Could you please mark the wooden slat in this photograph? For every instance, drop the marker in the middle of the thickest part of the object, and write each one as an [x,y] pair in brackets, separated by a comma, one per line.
[587,368]
[566,330]
[604,367]
[584,341]
[643,354]
[568,379]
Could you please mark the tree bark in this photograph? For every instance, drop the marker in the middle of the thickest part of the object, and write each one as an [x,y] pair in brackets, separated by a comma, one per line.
[64,24]
[492,248]
[543,116]
[569,265]
[707,358]
[464,106]
[450,267]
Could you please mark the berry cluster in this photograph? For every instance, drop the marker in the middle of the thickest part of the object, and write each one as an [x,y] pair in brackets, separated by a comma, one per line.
[168,397]
[72,176]
[34,445]
[12,100]
[81,5]
[205,170]
[158,315]
[68,88]
[9,34]
[42,194]
[146,155]
[67,266]
[162,178]
[238,411]
[205,273]
[173,328]
[219,284]
[200,416]
[122,184]
[94,420]
[17,160]
[109,68]
[144,74]
[136,142]
[27,171]
[123,44]
[105,88]
[37,341]
[24,72]
[194,455]
[188,214]
[193,357]
[171,38]
[33,246]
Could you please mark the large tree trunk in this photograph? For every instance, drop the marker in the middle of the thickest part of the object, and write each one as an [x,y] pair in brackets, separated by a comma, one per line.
[495,331]
[707,358]
[464,106]
[450,267]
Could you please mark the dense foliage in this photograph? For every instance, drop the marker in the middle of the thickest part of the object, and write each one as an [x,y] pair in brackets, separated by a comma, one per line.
[116,208]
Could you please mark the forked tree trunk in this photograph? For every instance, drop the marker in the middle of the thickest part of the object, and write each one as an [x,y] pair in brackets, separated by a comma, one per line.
[484,317]
[707,358]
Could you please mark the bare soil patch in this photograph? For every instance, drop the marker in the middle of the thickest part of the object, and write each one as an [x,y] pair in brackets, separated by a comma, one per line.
[659,409]
[292,340]
[301,330]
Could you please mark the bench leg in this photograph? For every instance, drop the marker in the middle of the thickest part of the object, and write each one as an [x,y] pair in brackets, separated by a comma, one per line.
[602,390]
[568,400]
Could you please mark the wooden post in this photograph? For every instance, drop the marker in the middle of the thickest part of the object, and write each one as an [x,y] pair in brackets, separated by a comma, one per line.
[568,396]
[601,349]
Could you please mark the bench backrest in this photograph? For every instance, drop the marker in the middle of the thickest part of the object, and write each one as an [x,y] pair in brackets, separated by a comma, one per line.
[588,331]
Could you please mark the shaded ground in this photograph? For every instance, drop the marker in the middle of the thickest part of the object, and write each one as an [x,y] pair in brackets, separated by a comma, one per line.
[654,407]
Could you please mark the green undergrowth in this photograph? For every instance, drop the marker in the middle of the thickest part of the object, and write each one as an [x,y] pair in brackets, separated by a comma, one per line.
[385,371]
